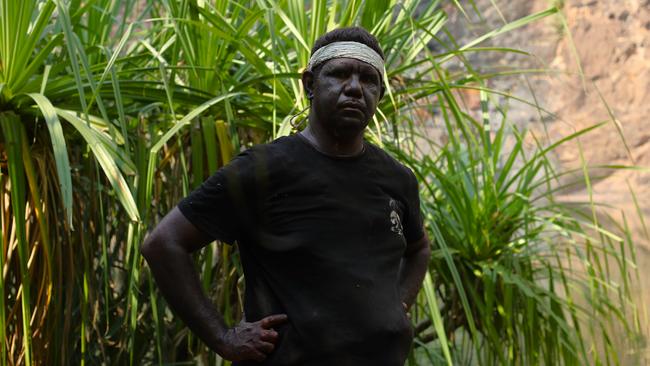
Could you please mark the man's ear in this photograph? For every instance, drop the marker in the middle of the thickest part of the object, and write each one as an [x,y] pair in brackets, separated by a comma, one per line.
[308,83]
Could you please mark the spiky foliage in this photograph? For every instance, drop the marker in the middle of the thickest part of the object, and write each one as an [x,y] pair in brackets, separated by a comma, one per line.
[112,110]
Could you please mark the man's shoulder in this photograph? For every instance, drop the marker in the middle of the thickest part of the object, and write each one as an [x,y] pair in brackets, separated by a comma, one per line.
[388,162]
[279,148]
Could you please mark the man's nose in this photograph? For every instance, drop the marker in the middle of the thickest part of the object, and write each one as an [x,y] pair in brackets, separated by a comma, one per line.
[353,86]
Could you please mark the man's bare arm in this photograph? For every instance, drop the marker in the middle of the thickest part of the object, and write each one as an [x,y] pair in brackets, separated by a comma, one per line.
[414,267]
[167,251]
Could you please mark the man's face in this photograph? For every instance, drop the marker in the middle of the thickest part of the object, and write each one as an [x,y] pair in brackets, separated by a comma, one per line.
[346,92]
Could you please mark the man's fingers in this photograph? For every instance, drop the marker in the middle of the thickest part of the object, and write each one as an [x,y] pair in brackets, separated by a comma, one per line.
[273,320]
[406,310]
[258,356]
[266,347]
[269,336]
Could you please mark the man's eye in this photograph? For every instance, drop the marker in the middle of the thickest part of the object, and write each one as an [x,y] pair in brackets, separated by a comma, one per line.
[370,78]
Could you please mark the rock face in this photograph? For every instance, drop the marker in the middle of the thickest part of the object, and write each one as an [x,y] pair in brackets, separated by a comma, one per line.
[598,70]
[598,66]
[611,40]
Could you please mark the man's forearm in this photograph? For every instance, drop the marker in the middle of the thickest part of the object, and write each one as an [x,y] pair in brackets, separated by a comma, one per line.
[412,271]
[178,281]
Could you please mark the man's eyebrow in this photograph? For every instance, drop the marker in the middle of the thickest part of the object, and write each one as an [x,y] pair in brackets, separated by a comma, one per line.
[369,69]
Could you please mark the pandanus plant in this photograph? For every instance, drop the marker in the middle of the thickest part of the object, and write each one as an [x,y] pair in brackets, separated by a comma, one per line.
[112,110]
[39,89]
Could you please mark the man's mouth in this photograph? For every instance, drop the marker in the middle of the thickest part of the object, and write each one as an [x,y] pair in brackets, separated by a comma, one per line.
[352,108]
[351,105]
[353,111]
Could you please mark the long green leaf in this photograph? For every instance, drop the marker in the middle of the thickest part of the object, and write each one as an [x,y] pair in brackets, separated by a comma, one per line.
[106,161]
[60,151]
[435,316]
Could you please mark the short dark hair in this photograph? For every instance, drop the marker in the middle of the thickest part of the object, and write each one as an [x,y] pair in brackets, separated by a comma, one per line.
[350,34]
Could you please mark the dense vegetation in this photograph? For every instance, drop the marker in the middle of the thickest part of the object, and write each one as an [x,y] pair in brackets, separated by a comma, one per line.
[112,110]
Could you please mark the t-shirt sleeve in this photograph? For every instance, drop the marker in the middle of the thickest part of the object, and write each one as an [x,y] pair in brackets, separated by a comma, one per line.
[223,205]
[413,228]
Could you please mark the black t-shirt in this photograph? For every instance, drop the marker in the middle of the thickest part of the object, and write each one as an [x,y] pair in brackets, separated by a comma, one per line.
[321,239]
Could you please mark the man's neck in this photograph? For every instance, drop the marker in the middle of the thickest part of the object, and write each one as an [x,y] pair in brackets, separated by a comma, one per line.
[331,144]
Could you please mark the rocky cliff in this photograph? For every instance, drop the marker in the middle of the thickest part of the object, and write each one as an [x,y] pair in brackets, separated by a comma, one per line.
[597,68]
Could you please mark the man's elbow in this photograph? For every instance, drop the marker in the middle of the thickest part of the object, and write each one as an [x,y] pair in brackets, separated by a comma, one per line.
[147,248]
[423,247]
[425,251]
[427,248]
[419,250]
[153,247]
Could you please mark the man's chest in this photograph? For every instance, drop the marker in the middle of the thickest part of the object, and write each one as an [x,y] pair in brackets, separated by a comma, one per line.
[344,213]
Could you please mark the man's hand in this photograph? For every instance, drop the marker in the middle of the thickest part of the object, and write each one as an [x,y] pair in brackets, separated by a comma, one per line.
[251,341]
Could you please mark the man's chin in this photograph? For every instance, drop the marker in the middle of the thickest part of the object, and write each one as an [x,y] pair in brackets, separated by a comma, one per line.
[347,126]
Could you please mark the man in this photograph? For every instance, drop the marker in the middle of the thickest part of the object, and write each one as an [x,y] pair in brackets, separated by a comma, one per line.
[328,227]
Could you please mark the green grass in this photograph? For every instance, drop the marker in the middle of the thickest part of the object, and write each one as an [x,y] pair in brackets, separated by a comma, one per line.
[106,121]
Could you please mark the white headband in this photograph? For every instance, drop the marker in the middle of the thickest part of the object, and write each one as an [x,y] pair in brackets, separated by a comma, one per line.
[347,49]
